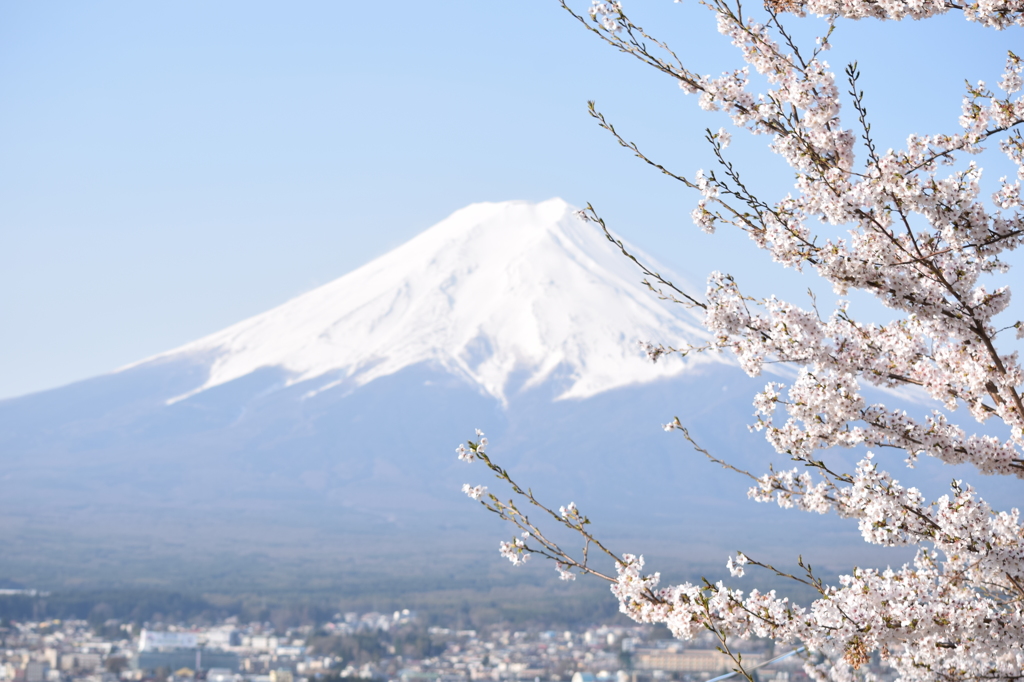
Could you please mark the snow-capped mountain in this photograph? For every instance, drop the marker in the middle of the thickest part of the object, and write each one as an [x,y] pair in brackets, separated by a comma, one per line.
[496,290]
[338,412]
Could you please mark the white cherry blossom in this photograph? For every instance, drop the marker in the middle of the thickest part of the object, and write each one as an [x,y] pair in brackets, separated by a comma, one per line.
[474,491]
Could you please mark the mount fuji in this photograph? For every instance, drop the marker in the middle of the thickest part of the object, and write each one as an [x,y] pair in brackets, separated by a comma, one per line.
[335,415]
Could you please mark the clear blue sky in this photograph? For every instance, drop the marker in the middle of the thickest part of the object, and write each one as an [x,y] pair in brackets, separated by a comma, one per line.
[167,169]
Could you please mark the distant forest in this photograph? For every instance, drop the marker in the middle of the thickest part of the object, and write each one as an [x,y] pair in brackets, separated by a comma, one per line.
[525,605]
[452,603]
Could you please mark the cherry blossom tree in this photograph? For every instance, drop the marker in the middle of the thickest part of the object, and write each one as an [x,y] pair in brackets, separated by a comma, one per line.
[921,236]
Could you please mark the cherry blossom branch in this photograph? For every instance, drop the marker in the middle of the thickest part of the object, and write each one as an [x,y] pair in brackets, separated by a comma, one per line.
[919,242]
[590,215]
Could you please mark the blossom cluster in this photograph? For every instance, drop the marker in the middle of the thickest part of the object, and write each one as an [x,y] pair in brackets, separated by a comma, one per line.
[468,454]
[514,551]
[607,13]
[998,14]
[925,618]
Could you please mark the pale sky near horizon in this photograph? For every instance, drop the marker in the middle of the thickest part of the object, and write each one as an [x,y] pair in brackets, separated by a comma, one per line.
[170,169]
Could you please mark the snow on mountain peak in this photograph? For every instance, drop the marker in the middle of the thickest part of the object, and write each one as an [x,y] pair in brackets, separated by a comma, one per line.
[492,290]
